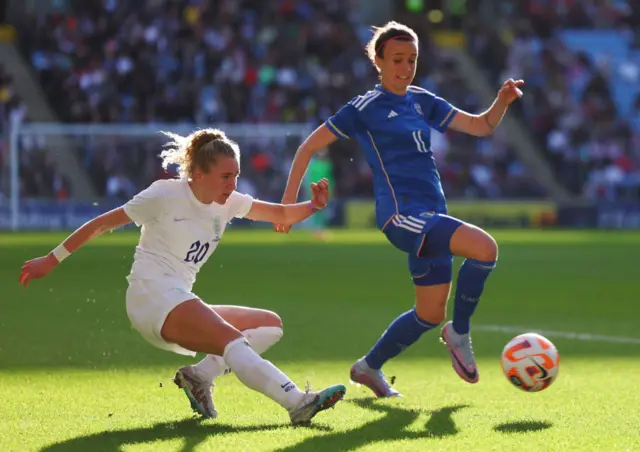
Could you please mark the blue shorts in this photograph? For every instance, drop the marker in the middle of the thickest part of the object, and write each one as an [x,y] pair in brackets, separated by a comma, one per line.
[425,238]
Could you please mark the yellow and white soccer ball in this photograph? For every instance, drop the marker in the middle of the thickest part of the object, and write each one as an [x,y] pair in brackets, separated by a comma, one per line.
[530,362]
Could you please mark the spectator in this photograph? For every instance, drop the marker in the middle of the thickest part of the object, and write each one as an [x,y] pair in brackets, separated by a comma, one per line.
[217,61]
[570,105]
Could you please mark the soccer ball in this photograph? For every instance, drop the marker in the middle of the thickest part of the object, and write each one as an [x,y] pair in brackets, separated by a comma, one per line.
[530,362]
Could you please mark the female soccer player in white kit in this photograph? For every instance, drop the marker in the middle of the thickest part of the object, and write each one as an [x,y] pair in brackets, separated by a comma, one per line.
[182,222]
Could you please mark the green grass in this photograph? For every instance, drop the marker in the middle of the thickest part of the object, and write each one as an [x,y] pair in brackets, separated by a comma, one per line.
[74,376]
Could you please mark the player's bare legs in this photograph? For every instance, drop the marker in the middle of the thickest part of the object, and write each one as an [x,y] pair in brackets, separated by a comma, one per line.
[196,326]
[481,253]
[260,327]
[431,302]
[473,243]
[246,318]
[431,269]
[212,334]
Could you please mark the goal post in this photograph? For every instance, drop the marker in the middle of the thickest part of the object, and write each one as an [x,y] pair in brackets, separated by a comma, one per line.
[38,175]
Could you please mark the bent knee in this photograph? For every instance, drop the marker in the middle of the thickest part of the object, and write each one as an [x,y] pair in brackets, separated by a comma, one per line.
[474,243]
[270,318]
[487,249]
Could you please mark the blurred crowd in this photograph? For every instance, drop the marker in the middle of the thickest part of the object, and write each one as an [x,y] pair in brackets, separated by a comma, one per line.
[583,103]
[298,61]
[39,177]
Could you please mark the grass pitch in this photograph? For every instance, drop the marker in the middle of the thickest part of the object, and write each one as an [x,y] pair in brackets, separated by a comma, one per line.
[74,376]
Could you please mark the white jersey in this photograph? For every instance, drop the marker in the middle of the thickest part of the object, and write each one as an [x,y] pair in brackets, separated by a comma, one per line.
[179,233]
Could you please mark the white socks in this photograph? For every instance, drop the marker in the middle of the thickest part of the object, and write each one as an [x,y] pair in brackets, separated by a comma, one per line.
[260,375]
[261,339]
[211,367]
[256,373]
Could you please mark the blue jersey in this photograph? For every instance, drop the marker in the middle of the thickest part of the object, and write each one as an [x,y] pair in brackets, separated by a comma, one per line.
[395,134]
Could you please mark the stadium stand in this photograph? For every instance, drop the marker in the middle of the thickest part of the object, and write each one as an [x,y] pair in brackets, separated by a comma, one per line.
[581,61]
[228,61]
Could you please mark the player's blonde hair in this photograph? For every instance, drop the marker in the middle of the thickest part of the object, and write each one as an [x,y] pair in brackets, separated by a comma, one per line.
[382,35]
[198,150]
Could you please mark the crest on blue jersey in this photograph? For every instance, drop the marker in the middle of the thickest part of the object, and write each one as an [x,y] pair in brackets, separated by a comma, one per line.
[418,109]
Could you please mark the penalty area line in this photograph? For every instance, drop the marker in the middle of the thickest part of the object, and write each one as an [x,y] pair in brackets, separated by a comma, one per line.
[585,337]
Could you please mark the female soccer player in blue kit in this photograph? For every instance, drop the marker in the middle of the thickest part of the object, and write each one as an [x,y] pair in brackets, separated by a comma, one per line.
[392,124]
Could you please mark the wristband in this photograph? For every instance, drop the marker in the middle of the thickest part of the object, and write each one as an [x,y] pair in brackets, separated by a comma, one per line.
[314,207]
[61,253]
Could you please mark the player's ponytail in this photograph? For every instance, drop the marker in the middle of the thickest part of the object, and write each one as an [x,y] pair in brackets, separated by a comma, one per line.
[198,150]
[382,35]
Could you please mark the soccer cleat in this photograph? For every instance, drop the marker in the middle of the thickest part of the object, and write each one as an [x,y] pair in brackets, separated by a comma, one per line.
[197,390]
[314,402]
[373,379]
[462,358]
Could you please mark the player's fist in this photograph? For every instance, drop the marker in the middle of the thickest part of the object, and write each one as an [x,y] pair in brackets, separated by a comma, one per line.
[320,192]
[37,268]
[510,91]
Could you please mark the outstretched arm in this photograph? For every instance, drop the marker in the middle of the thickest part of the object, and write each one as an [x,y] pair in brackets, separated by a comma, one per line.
[485,123]
[318,140]
[41,266]
[289,214]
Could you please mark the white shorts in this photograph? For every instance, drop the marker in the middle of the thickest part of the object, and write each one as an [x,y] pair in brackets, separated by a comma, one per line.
[149,303]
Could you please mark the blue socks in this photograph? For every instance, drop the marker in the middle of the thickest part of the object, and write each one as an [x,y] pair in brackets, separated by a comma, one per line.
[471,278]
[408,327]
[402,332]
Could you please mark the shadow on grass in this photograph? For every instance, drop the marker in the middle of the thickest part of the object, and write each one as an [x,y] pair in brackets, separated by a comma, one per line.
[390,428]
[522,426]
[193,431]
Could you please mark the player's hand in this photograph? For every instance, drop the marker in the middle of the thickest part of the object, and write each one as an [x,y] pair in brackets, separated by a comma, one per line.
[37,268]
[510,91]
[320,193]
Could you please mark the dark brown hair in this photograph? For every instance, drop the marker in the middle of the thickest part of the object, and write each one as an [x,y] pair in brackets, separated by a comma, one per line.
[382,35]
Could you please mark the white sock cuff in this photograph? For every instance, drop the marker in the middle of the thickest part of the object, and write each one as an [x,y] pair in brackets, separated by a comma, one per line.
[263,338]
[274,331]
[232,344]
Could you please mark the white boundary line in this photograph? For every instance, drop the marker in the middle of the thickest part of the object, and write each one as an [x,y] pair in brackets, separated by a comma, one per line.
[561,334]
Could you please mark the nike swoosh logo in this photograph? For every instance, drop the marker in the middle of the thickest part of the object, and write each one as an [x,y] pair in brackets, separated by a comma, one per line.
[285,385]
[179,219]
[470,375]
[545,374]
